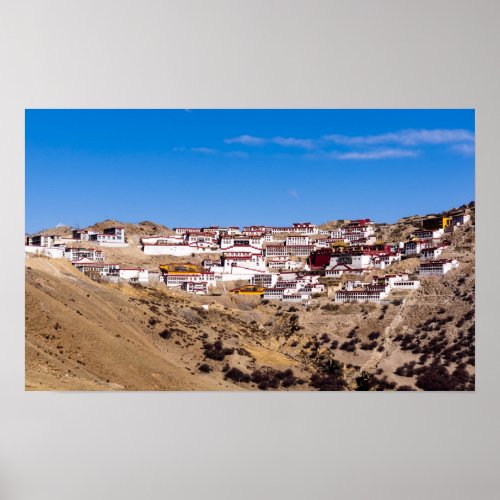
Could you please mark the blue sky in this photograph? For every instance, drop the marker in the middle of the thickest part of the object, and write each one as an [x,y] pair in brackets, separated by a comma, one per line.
[240,167]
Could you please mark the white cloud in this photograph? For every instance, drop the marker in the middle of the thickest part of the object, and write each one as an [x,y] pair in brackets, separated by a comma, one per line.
[375,154]
[408,137]
[293,193]
[465,149]
[207,151]
[248,140]
[60,224]
[294,142]
[379,154]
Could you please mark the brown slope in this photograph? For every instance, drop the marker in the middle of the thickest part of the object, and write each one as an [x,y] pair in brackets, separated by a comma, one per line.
[81,335]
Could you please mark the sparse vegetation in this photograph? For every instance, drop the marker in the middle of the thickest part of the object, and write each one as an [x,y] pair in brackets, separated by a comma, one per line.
[217,351]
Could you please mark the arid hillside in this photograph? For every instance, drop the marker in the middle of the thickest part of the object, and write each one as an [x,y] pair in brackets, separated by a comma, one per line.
[144,228]
[85,335]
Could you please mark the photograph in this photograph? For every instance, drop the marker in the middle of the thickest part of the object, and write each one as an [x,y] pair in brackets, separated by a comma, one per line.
[250,250]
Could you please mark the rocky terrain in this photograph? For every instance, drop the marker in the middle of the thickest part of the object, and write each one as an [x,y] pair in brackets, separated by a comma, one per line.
[85,335]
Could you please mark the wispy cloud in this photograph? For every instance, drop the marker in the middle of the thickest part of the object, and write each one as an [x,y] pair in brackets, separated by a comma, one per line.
[374,154]
[206,151]
[202,150]
[60,224]
[379,154]
[293,193]
[465,149]
[399,140]
[294,142]
[399,144]
[410,137]
[248,140]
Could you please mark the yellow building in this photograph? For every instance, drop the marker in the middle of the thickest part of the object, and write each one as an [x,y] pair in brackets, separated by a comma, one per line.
[436,223]
[248,290]
[180,269]
[176,275]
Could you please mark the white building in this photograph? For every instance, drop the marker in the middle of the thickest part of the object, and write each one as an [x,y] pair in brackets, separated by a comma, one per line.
[266,280]
[175,249]
[51,252]
[313,288]
[460,219]
[283,263]
[336,234]
[203,239]
[260,229]
[200,288]
[235,242]
[238,267]
[431,253]
[298,228]
[134,275]
[354,261]
[276,251]
[176,280]
[112,236]
[267,237]
[298,240]
[355,238]
[389,279]
[289,250]
[437,267]
[89,267]
[74,253]
[406,284]
[352,285]
[273,293]
[383,261]
[41,240]
[82,234]
[237,256]
[153,240]
[184,230]
[360,295]
[300,297]
[339,270]
[424,234]
[413,247]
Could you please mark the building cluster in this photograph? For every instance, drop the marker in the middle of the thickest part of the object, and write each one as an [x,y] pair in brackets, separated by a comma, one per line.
[110,237]
[377,290]
[429,242]
[289,264]
[90,261]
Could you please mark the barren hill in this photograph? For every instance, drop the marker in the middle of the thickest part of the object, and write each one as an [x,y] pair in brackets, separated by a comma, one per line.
[81,334]
[144,228]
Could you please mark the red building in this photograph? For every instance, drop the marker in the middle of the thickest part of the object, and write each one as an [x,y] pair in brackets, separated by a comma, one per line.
[319,259]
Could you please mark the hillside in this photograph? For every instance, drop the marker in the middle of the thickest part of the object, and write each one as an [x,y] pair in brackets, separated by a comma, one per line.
[144,228]
[81,334]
